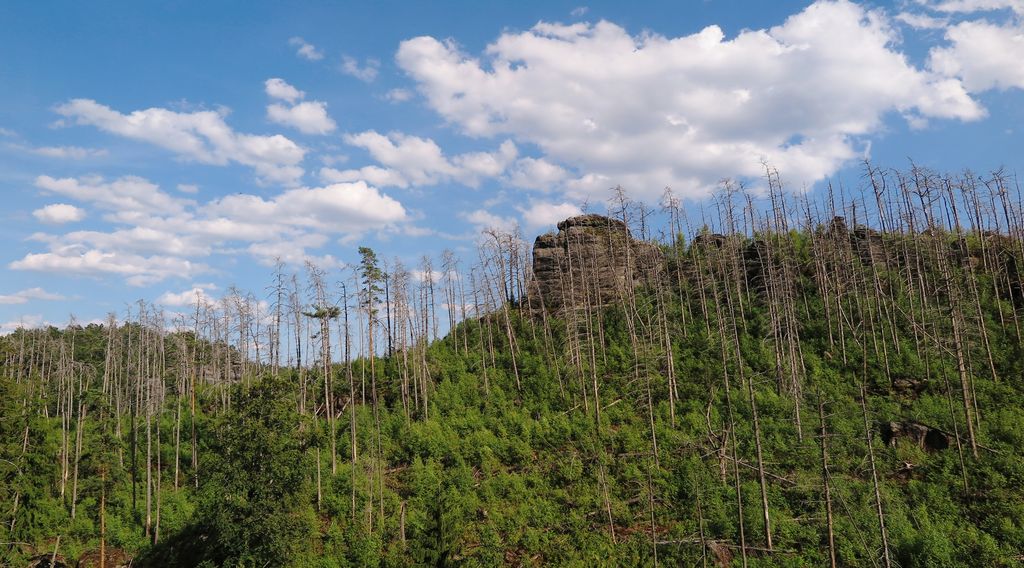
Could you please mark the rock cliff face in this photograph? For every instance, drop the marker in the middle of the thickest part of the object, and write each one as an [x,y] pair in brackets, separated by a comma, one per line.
[588,263]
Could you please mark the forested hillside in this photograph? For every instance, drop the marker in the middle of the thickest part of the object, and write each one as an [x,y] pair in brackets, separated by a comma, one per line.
[777,381]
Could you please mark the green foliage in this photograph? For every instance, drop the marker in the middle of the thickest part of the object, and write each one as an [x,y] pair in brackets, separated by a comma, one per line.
[253,503]
[492,472]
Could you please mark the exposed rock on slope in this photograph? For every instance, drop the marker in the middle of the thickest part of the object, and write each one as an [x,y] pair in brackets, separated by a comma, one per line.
[926,437]
[588,262]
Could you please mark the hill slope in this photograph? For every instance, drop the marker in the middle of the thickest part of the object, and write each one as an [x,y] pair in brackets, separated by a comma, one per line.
[768,397]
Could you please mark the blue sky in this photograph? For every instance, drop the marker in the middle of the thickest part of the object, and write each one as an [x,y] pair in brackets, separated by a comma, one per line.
[163,152]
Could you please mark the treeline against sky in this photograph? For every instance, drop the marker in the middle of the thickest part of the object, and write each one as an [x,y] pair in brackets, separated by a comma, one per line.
[785,379]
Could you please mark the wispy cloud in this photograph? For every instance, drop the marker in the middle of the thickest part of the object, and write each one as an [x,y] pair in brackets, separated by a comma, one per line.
[398,95]
[24,296]
[367,72]
[73,152]
[305,49]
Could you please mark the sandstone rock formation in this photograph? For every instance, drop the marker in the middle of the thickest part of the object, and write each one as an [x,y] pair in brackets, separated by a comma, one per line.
[588,263]
[924,436]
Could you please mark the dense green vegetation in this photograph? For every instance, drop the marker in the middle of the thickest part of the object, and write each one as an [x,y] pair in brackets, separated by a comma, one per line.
[731,408]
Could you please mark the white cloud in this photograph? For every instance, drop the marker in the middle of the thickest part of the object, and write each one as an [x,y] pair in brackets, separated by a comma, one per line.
[366,73]
[59,213]
[198,293]
[398,95]
[342,207]
[24,322]
[165,237]
[472,167]
[159,239]
[128,196]
[334,159]
[968,6]
[137,270]
[7,133]
[279,89]
[483,220]
[373,175]
[650,111]
[543,214]
[539,174]
[202,136]
[435,276]
[922,21]
[293,251]
[411,160]
[308,117]
[24,296]
[579,11]
[306,50]
[983,55]
[189,188]
[72,152]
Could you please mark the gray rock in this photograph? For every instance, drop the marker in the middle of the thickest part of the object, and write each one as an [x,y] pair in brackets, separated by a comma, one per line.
[588,262]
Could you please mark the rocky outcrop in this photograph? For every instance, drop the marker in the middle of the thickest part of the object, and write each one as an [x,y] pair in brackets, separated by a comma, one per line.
[924,436]
[588,262]
[866,242]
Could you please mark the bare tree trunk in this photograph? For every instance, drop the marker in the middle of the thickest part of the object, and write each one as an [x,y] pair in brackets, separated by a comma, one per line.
[826,484]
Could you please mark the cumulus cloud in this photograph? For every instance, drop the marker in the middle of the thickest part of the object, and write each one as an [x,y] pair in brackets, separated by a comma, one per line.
[159,236]
[24,296]
[59,213]
[294,251]
[484,220]
[983,55]
[308,117]
[135,269]
[374,175]
[544,214]
[305,49]
[201,136]
[127,197]
[351,207]
[413,161]
[539,174]
[367,72]
[161,239]
[649,111]
[280,89]
[189,188]
[197,294]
